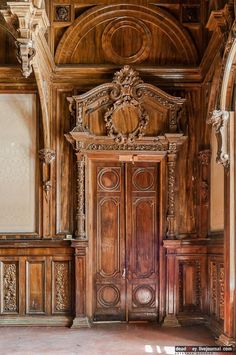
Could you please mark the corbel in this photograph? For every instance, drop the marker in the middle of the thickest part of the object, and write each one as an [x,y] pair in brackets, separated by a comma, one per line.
[47,156]
[219,121]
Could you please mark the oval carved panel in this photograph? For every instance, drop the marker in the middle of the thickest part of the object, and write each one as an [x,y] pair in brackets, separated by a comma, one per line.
[125,119]
[117,45]
[108,296]
[143,179]
[108,179]
[143,295]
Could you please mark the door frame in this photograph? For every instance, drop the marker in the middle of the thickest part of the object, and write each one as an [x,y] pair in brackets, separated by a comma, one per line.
[114,156]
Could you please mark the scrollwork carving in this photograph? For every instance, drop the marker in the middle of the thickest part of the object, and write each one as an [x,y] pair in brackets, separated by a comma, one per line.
[222,289]
[62,297]
[10,288]
[123,95]
[219,121]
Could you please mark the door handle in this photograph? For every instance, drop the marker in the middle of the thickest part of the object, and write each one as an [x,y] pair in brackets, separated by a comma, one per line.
[124,273]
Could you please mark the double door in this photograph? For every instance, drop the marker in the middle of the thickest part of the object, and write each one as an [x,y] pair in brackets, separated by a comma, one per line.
[125,241]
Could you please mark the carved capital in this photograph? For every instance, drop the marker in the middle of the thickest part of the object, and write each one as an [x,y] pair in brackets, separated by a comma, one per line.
[219,121]
[47,155]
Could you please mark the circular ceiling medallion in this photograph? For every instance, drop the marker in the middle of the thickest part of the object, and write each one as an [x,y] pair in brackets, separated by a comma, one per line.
[143,296]
[108,179]
[108,296]
[143,179]
[126,40]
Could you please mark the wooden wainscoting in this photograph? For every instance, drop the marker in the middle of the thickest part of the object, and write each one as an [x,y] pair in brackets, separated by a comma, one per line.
[195,282]
[36,279]
[216,275]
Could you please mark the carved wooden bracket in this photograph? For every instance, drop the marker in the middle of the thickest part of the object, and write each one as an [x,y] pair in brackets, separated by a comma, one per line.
[46,156]
[25,54]
[219,121]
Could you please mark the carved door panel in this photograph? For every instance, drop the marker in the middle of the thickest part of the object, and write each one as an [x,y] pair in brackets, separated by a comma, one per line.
[142,241]
[109,251]
[125,241]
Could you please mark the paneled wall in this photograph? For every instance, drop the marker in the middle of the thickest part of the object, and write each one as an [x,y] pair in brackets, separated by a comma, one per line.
[36,281]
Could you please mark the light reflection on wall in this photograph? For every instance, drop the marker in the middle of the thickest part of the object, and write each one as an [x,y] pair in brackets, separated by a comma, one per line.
[17,163]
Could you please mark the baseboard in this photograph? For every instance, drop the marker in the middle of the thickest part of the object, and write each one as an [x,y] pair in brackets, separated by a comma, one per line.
[37,321]
[191,319]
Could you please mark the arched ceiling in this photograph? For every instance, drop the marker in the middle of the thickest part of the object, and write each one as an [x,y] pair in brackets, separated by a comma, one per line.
[123,34]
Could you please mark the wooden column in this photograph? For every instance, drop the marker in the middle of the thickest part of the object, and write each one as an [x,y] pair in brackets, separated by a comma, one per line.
[81,320]
[81,248]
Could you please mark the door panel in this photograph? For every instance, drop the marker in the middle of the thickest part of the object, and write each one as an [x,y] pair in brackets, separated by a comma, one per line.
[142,241]
[125,241]
[109,242]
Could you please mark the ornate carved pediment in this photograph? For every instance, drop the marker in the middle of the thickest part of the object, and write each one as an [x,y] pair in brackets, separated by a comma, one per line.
[124,112]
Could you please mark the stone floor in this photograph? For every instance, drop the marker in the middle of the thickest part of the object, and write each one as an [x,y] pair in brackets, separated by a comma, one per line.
[105,339]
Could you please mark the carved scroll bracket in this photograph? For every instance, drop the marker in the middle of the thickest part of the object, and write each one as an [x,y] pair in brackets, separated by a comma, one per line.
[219,121]
[47,156]
[80,216]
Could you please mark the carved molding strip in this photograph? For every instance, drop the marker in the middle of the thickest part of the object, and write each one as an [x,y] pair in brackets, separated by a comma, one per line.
[171,165]
[62,296]
[81,231]
[10,287]
[219,121]
[221,290]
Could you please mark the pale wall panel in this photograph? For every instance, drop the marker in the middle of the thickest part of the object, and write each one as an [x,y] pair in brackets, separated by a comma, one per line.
[217,191]
[17,162]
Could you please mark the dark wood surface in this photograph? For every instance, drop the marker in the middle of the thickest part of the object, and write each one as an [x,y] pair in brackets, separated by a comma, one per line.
[177,47]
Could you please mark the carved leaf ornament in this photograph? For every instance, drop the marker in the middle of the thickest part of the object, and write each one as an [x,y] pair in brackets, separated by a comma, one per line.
[120,122]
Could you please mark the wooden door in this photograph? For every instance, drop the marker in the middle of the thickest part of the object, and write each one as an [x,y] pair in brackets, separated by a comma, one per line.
[125,234]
